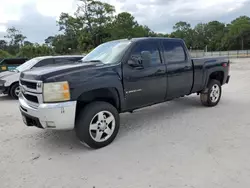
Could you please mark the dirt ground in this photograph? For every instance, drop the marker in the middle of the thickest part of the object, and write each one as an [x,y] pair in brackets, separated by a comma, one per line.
[176,144]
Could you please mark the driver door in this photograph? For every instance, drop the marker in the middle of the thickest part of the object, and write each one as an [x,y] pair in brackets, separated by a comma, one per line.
[144,85]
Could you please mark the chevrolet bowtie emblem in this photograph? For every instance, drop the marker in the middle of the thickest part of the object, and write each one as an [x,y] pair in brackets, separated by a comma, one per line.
[39,85]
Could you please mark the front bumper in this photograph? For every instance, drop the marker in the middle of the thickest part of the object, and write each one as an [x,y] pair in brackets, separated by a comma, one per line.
[59,116]
[228,78]
[4,90]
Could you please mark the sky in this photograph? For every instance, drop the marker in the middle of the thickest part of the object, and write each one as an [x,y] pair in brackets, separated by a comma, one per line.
[37,18]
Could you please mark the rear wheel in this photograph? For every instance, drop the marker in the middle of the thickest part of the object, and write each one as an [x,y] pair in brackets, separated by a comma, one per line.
[212,94]
[97,124]
[15,91]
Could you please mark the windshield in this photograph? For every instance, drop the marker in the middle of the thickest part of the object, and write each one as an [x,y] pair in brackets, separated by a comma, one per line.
[28,65]
[109,52]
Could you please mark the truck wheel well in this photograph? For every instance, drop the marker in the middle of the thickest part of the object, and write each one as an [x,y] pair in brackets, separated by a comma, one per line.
[109,95]
[219,75]
[11,86]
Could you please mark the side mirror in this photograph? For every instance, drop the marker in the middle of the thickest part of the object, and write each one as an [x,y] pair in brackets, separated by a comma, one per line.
[146,58]
[135,62]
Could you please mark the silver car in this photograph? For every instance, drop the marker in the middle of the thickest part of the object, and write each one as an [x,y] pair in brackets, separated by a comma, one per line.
[9,80]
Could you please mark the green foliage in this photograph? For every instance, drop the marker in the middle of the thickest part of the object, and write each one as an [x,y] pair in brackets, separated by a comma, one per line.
[4,54]
[95,22]
[31,51]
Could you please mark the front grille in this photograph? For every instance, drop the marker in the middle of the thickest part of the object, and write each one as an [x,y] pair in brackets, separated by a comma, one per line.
[32,91]
[31,98]
[30,85]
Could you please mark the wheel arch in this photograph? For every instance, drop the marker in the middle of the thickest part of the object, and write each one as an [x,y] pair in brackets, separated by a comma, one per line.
[217,75]
[106,94]
[11,85]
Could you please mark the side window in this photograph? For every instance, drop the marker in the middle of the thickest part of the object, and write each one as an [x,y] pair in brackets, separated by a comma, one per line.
[44,62]
[174,52]
[147,46]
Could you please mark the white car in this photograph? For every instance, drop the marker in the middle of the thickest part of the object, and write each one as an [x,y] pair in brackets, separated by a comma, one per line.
[9,80]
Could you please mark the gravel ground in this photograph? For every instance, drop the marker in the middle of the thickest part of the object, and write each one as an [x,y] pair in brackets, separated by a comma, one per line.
[175,144]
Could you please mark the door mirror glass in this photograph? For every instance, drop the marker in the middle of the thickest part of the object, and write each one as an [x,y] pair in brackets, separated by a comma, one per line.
[146,58]
[135,62]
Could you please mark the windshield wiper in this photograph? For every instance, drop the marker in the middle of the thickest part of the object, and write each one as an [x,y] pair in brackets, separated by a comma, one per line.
[95,61]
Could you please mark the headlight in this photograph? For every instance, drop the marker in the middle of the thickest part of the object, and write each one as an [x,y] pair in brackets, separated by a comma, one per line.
[56,92]
[2,82]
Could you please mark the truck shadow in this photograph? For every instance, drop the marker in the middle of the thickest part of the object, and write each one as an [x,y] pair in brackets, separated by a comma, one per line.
[6,98]
[66,141]
[145,117]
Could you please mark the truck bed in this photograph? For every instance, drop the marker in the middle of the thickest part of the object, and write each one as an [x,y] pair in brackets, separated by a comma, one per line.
[202,67]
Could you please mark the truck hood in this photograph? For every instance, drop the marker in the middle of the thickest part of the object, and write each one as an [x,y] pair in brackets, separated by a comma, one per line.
[6,73]
[44,73]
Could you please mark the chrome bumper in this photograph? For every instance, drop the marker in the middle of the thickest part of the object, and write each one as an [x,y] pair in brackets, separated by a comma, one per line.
[59,116]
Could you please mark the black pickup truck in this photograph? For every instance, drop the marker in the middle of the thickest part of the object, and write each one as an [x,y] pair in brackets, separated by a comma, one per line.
[116,77]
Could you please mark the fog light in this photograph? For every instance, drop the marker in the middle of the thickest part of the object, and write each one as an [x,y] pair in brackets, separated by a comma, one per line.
[50,124]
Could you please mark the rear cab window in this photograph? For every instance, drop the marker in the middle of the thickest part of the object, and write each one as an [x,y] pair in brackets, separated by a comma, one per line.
[174,51]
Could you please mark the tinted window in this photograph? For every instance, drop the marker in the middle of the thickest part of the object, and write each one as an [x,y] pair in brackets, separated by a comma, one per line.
[44,62]
[14,61]
[147,46]
[173,51]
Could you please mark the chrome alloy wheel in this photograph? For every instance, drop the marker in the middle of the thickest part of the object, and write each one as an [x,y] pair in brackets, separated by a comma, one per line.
[17,91]
[102,126]
[215,93]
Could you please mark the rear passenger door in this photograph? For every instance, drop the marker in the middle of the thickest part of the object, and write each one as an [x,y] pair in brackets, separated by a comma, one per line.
[179,68]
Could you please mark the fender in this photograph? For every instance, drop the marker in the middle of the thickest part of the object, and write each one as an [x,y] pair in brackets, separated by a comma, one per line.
[109,79]
[211,67]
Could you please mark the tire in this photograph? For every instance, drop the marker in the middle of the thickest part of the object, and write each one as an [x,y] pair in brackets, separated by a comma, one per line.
[90,124]
[209,99]
[13,90]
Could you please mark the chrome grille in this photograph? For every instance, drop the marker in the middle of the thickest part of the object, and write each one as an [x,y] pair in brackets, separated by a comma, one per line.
[30,85]
[31,91]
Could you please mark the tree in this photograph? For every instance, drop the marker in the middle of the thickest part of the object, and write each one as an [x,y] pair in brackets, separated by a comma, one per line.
[49,40]
[16,40]
[124,26]
[239,33]
[184,31]
[3,44]
[215,31]
[94,16]
[36,50]
[26,43]
[4,54]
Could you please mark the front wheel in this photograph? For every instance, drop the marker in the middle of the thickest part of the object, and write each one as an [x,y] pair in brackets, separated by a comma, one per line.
[15,91]
[97,124]
[212,95]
